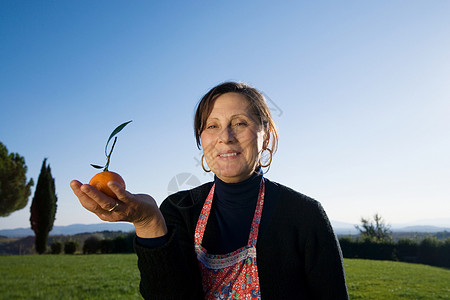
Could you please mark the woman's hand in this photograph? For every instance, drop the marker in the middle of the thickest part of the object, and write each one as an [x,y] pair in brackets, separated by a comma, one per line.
[139,209]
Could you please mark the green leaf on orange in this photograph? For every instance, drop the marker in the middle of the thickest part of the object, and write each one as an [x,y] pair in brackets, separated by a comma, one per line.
[115,131]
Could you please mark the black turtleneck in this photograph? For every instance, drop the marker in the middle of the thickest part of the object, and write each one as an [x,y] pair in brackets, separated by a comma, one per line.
[231,215]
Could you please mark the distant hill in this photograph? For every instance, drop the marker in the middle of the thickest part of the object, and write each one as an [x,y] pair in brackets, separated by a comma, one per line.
[421,228]
[70,229]
[340,228]
[21,240]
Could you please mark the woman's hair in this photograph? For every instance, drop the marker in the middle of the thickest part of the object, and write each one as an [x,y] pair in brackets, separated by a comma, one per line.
[255,98]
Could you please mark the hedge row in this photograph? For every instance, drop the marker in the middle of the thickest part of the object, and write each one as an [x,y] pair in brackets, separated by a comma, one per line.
[429,251]
[120,244]
[69,247]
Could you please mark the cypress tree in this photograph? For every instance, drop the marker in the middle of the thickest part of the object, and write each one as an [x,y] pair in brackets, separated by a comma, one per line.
[43,208]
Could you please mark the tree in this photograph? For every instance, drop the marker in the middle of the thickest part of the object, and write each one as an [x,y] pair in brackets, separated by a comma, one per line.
[14,188]
[43,207]
[376,230]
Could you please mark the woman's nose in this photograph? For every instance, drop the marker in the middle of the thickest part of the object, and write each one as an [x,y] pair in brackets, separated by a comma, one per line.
[227,135]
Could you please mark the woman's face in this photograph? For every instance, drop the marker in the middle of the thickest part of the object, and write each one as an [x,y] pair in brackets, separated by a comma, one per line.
[232,139]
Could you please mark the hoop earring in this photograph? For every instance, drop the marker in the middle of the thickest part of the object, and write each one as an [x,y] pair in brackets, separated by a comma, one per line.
[204,169]
[270,160]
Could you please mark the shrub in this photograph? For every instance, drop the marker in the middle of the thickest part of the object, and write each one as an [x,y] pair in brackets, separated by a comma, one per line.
[428,251]
[107,246]
[349,247]
[444,253]
[371,249]
[56,247]
[407,250]
[70,247]
[120,245]
[91,245]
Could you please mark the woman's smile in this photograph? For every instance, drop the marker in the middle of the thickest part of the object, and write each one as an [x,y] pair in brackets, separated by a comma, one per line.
[230,154]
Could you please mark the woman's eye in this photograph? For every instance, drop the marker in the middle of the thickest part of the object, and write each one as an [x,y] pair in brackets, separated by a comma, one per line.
[240,124]
[212,126]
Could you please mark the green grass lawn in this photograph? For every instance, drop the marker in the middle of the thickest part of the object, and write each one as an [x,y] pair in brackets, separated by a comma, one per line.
[116,276]
[69,277]
[371,279]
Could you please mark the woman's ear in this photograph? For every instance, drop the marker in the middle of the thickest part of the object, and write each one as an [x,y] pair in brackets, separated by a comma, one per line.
[266,139]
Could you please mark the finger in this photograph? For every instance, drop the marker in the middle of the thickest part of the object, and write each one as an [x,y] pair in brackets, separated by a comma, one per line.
[75,185]
[92,206]
[110,216]
[84,199]
[122,194]
[95,200]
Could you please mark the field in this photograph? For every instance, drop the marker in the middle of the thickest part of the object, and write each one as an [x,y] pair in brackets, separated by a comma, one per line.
[117,277]
[371,279]
[69,277]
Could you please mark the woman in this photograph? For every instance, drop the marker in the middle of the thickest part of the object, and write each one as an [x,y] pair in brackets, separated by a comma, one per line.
[239,237]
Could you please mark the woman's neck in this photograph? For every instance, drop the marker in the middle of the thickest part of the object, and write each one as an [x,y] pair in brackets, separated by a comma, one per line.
[238,194]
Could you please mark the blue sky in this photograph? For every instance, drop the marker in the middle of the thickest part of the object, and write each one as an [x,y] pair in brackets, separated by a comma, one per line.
[359,92]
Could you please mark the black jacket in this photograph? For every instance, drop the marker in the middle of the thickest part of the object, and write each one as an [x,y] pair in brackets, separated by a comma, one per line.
[298,255]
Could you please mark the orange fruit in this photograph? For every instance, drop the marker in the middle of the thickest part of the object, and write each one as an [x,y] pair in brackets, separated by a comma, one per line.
[100,180]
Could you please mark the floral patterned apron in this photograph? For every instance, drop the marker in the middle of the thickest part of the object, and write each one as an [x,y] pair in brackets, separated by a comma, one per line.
[233,275]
